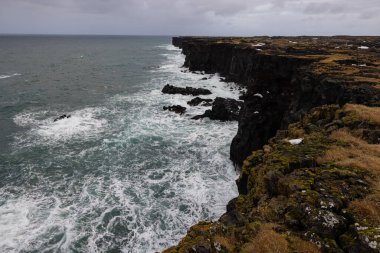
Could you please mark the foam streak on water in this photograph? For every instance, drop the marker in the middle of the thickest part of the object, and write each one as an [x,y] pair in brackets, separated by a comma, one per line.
[8,76]
[123,175]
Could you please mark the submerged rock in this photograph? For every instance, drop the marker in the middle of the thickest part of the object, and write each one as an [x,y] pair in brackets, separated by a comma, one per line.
[64,116]
[224,109]
[196,101]
[175,108]
[170,89]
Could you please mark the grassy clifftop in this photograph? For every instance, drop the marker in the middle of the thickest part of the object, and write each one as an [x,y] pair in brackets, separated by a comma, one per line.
[355,60]
[322,194]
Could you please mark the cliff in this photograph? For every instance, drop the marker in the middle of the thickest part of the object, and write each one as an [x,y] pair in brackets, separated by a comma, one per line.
[292,74]
[307,143]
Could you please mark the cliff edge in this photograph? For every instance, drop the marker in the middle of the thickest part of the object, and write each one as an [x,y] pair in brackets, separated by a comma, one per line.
[307,143]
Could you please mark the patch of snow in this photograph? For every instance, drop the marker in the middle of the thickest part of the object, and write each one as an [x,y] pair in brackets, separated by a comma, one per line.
[256,112]
[363,47]
[258,95]
[296,141]
[259,45]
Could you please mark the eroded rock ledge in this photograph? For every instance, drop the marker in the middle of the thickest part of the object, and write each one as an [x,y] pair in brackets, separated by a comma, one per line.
[322,193]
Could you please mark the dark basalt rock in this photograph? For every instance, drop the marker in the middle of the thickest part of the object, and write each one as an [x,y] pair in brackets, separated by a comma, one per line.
[289,87]
[175,108]
[224,109]
[170,89]
[196,101]
[64,116]
[372,136]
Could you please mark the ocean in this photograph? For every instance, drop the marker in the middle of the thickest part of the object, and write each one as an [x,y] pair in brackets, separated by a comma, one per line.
[119,175]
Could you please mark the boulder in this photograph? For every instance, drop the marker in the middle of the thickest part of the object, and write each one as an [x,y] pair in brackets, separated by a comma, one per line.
[175,108]
[64,116]
[196,101]
[170,89]
[224,109]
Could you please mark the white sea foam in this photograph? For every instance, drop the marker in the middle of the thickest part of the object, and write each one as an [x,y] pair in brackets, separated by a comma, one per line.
[83,124]
[8,76]
[13,221]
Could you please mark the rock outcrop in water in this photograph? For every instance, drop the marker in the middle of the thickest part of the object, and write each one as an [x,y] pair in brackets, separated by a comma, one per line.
[318,194]
[175,108]
[64,116]
[224,109]
[170,89]
[203,101]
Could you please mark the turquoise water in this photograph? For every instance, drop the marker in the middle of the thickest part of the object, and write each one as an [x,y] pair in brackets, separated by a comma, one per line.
[119,175]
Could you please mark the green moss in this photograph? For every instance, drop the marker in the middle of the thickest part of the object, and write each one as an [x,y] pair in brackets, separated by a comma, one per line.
[287,186]
[348,240]
[253,160]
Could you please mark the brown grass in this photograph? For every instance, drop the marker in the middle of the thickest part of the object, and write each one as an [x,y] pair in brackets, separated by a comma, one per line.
[359,154]
[226,242]
[365,113]
[301,246]
[367,209]
[335,57]
[267,241]
[377,86]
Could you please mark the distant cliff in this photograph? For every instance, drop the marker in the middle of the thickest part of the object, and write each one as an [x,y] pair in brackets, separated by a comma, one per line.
[287,77]
[307,144]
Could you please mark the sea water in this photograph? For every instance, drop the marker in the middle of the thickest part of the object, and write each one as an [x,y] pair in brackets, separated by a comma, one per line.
[119,175]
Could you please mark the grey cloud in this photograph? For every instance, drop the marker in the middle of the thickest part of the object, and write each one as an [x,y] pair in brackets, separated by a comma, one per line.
[324,7]
[190,17]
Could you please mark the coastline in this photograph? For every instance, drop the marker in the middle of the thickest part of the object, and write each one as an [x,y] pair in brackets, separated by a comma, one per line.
[314,195]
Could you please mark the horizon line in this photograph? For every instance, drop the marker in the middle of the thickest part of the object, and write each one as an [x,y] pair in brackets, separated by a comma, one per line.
[171,35]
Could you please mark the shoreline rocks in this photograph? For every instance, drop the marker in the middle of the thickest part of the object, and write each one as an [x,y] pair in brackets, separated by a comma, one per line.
[224,109]
[203,101]
[170,89]
[175,108]
[64,116]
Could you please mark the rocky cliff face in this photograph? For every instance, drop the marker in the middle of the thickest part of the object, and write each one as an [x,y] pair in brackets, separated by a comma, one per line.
[284,81]
[312,185]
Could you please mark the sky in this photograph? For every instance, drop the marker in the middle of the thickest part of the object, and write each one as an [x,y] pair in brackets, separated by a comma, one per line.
[191,17]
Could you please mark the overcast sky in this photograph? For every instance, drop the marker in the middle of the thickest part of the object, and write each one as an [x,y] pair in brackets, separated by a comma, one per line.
[191,17]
